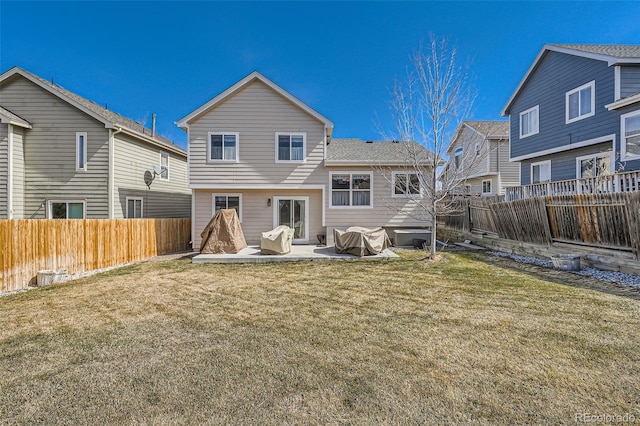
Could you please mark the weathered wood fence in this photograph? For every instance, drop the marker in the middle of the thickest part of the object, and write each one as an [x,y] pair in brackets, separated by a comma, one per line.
[598,220]
[80,245]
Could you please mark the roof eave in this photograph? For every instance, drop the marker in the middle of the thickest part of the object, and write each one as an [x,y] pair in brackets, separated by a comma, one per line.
[623,102]
[176,149]
[16,70]
[183,123]
[610,60]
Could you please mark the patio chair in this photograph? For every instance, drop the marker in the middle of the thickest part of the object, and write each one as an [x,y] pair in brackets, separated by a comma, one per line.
[276,241]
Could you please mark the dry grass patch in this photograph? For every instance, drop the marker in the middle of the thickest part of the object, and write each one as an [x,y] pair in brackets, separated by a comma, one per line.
[455,341]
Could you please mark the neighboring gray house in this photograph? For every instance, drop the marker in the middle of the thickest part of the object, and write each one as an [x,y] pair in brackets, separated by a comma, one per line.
[63,156]
[479,158]
[258,149]
[576,115]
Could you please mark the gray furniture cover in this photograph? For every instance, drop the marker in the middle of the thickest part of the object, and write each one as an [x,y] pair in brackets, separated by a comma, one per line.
[361,241]
[223,234]
[276,241]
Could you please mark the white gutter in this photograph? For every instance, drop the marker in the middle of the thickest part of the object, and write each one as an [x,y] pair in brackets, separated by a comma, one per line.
[623,102]
[176,149]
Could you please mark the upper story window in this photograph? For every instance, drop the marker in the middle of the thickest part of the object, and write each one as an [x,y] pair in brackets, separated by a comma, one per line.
[529,122]
[81,151]
[223,146]
[351,189]
[291,146]
[164,166]
[405,184]
[541,172]
[630,131]
[457,159]
[580,102]
[478,149]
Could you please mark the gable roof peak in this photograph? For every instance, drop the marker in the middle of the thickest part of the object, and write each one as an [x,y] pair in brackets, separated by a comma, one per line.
[183,123]
[110,119]
[612,54]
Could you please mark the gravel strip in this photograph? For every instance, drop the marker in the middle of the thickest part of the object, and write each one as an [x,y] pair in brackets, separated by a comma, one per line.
[628,280]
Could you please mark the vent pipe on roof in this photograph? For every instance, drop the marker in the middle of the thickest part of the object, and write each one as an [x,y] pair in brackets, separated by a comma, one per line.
[369,141]
[153,125]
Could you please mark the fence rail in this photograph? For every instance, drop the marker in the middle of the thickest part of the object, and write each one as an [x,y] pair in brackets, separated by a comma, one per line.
[611,183]
[601,220]
[28,246]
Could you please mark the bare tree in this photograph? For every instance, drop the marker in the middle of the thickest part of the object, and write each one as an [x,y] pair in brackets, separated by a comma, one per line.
[427,108]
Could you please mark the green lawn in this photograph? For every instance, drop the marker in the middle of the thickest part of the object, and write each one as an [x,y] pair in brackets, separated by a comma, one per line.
[468,339]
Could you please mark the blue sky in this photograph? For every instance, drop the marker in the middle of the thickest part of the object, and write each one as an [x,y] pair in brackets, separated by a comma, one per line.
[341,58]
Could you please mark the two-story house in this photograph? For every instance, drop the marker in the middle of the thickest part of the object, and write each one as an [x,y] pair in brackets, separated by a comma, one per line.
[479,159]
[63,156]
[258,149]
[576,115]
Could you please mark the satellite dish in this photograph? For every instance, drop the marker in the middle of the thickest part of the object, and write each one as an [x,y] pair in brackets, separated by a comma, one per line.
[148,178]
[156,170]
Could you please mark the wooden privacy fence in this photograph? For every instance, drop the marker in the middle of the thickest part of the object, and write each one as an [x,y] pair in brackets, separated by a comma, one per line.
[80,245]
[599,220]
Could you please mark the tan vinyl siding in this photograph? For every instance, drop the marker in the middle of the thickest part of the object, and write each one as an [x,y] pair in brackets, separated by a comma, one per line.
[50,150]
[18,172]
[476,185]
[387,211]
[509,172]
[256,113]
[257,216]
[163,198]
[4,169]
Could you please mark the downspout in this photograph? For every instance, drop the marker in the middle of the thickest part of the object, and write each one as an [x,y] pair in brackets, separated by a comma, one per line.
[111,179]
[10,171]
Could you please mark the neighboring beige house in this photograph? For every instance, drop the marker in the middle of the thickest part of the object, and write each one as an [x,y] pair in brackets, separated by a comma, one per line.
[260,150]
[479,159]
[63,156]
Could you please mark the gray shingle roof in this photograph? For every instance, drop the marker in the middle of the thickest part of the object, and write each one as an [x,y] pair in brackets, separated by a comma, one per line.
[622,51]
[494,128]
[102,112]
[354,150]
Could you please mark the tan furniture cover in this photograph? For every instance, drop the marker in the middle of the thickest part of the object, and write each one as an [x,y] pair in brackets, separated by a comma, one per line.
[276,241]
[361,241]
[223,234]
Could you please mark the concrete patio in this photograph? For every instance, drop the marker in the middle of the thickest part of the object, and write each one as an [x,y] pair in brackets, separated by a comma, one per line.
[252,254]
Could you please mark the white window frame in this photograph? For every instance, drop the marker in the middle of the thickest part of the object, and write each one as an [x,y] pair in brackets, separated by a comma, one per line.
[624,156]
[457,154]
[226,194]
[350,173]
[539,163]
[162,154]
[537,129]
[57,201]
[223,134]
[290,134]
[592,156]
[82,168]
[141,207]
[276,201]
[591,85]
[405,195]
[490,187]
